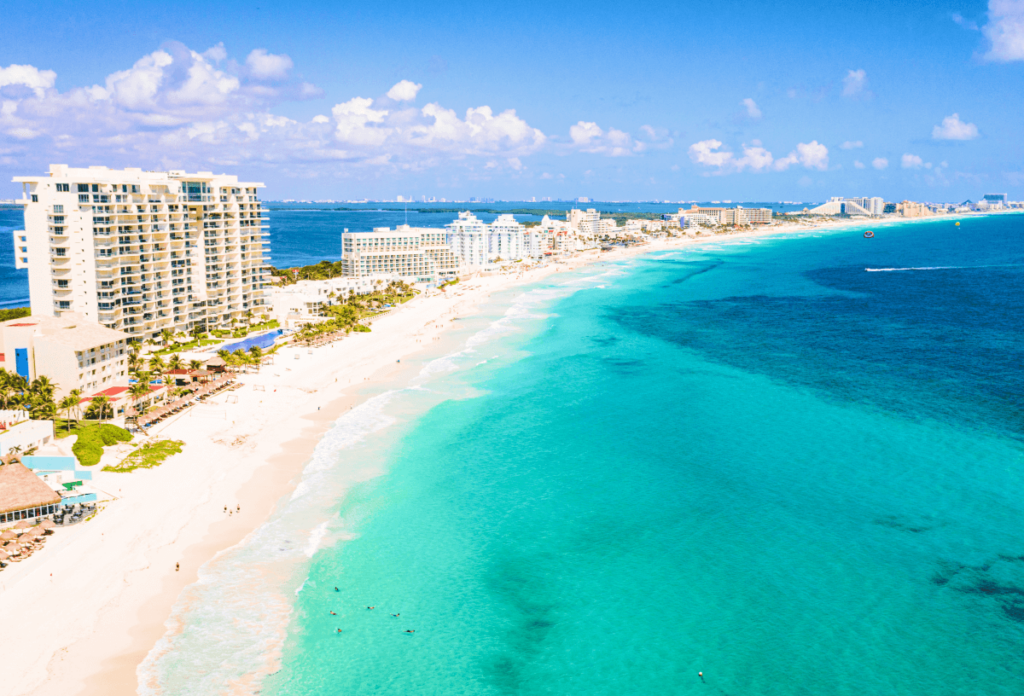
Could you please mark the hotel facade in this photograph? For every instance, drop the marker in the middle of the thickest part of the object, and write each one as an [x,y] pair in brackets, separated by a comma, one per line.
[141,252]
[410,254]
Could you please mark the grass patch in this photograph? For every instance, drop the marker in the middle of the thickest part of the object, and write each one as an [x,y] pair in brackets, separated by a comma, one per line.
[148,455]
[93,438]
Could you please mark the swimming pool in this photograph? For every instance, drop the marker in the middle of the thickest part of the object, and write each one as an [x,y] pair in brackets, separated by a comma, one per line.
[264,340]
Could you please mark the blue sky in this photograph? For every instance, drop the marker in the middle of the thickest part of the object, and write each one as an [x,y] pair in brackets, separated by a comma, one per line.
[739,100]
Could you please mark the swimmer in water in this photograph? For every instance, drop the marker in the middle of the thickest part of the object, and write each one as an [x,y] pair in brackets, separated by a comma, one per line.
[407,631]
[339,630]
[701,675]
[333,614]
[371,607]
[395,615]
[336,589]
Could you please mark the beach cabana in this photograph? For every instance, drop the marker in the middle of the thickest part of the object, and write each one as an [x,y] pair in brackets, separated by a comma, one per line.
[216,364]
[8,536]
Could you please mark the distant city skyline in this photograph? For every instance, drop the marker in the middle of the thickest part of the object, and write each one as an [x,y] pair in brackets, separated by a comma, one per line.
[904,102]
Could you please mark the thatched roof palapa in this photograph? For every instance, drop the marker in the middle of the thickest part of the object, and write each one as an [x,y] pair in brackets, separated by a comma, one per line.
[20,488]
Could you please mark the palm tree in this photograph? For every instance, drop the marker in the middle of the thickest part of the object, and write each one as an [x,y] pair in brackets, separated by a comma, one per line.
[100,405]
[175,362]
[195,364]
[257,356]
[76,394]
[156,364]
[223,354]
[134,362]
[167,335]
[138,391]
[67,404]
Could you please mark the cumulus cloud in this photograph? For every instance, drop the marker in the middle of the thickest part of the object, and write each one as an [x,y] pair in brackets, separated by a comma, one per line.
[28,77]
[952,128]
[851,145]
[879,163]
[858,164]
[266,66]
[404,91]
[176,107]
[855,83]
[1005,31]
[756,158]
[751,107]
[909,161]
[587,136]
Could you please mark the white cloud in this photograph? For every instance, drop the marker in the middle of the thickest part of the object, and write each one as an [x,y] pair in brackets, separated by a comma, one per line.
[909,161]
[851,145]
[28,76]
[1005,30]
[404,91]
[267,66]
[320,118]
[858,164]
[964,22]
[587,136]
[854,83]
[879,163]
[751,106]
[706,152]
[756,158]
[813,155]
[952,128]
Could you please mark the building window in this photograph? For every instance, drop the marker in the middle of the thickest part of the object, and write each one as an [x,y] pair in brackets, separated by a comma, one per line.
[35,198]
[58,209]
[64,304]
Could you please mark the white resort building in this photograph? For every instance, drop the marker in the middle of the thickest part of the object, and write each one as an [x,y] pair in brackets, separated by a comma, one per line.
[468,238]
[306,300]
[411,254]
[70,350]
[142,251]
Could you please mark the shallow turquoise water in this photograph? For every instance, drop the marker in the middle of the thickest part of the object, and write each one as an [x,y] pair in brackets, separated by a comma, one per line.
[756,460]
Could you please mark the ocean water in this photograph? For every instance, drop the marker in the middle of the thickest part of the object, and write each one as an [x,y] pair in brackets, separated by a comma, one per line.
[792,464]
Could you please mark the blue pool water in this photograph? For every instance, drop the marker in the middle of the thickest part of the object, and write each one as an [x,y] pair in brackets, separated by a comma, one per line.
[793,464]
[263,340]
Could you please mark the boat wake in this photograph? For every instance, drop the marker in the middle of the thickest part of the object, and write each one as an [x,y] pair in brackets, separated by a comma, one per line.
[941,268]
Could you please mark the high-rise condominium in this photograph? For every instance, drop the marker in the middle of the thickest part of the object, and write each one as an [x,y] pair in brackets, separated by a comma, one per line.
[141,252]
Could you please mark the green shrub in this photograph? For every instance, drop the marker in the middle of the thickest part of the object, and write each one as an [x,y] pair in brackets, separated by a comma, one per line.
[362,328]
[148,455]
[93,438]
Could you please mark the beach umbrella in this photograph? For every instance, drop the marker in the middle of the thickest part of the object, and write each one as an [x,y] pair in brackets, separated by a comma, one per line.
[23,524]
[8,535]
[47,525]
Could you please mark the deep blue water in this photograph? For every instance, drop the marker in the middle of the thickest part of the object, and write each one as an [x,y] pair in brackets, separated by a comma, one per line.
[759,460]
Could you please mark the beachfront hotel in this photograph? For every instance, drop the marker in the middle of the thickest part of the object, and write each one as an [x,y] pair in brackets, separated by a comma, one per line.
[141,252]
[411,254]
[73,352]
[730,216]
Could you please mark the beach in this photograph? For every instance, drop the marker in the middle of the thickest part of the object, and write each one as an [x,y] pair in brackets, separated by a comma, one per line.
[92,605]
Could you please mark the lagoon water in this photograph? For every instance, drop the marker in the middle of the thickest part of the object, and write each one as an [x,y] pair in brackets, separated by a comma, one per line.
[793,464]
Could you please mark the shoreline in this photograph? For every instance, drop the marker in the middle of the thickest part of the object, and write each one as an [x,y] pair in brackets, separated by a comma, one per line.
[117,571]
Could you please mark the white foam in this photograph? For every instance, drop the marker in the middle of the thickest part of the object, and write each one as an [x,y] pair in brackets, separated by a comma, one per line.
[315,537]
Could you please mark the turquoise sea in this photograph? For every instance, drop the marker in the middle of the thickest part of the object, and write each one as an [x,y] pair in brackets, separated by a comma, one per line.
[793,464]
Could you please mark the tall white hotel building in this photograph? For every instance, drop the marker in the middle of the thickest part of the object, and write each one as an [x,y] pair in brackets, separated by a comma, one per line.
[142,251]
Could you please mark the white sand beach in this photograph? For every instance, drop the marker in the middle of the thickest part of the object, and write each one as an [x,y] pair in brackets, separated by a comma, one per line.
[91,605]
